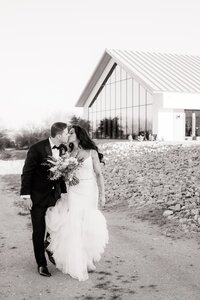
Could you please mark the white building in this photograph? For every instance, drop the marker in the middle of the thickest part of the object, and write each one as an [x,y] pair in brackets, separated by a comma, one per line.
[153,93]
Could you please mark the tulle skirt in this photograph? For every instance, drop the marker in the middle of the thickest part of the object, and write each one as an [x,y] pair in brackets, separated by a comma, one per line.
[78,231]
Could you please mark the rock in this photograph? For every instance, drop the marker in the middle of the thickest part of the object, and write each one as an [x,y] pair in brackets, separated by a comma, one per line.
[160,201]
[194,212]
[183,220]
[170,202]
[193,227]
[188,195]
[167,213]
[176,207]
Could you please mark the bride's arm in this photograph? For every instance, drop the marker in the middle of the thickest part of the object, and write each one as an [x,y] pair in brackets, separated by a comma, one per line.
[99,176]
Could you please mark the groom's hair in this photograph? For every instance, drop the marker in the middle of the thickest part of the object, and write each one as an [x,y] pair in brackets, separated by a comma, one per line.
[57,128]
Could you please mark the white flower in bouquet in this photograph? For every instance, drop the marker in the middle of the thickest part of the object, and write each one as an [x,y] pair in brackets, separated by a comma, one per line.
[73,160]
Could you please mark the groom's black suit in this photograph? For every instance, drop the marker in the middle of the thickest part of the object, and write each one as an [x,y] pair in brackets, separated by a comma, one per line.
[43,192]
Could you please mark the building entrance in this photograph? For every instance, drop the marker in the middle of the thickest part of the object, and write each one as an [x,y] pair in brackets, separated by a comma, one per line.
[192,123]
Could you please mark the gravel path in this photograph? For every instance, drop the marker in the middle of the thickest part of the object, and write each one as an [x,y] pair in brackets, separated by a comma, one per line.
[139,262]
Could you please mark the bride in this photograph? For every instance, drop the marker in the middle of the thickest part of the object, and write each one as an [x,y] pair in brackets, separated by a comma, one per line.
[77,228]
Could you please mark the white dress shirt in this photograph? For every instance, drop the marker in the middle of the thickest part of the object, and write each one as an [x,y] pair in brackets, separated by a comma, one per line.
[55,152]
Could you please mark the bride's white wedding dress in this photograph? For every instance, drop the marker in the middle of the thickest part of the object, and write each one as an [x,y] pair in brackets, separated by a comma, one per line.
[77,228]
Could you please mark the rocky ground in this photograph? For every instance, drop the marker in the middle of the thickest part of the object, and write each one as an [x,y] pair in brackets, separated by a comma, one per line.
[157,181]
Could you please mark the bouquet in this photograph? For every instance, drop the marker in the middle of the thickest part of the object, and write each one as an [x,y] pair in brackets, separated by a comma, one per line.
[65,167]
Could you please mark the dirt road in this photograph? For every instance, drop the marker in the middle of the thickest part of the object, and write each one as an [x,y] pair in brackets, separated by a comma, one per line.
[139,262]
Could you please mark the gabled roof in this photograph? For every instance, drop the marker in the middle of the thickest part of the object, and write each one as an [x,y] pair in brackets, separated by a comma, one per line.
[160,72]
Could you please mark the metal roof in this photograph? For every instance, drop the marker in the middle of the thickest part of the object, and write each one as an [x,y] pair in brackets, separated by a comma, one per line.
[161,72]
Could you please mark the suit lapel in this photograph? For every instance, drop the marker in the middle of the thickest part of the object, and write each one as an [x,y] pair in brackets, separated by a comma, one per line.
[48,148]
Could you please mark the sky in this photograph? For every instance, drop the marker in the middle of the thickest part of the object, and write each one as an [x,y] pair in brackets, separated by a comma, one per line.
[50,48]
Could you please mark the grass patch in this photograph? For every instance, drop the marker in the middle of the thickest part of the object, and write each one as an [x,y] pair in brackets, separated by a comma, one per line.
[12,182]
[13,154]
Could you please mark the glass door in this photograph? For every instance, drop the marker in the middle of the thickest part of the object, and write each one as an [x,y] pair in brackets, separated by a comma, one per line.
[192,122]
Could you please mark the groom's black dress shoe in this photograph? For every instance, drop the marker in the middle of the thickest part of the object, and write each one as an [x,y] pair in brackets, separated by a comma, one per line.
[50,256]
[44,271]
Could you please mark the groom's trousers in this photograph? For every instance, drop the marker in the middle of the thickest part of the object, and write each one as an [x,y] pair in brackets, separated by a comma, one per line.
[39,227]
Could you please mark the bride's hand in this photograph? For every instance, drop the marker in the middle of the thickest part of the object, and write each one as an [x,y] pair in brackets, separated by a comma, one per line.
[102,200]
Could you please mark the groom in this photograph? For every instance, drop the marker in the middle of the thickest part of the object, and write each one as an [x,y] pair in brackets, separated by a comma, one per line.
[38,192]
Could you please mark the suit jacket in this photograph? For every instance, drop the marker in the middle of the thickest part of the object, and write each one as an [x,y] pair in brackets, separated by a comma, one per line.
[34,179]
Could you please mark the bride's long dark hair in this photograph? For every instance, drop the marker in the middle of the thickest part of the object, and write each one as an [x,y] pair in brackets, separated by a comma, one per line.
[85,141]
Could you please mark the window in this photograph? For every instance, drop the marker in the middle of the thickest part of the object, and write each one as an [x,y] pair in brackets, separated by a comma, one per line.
[136,120]
[192,118]
[149,98]
[123,87]
[142,118]
[129,120]
[123,107]
[94,119]
[142,96]
[112,95]
[112,77]
[118,122]
[124,125]
[118,73]
[98,103]
[98,124]
[123,74]
[149,118]
[94,106]
[135,93]
[129,92]
[118,94]
[108,100]
[113,127]
[103,99]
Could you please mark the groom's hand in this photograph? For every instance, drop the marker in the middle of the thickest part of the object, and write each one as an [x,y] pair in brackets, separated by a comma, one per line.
[27,203]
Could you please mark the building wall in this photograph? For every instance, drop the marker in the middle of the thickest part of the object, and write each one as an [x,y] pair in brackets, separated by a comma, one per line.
[169,115]
[157,106]
[171,125]
[181,101]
